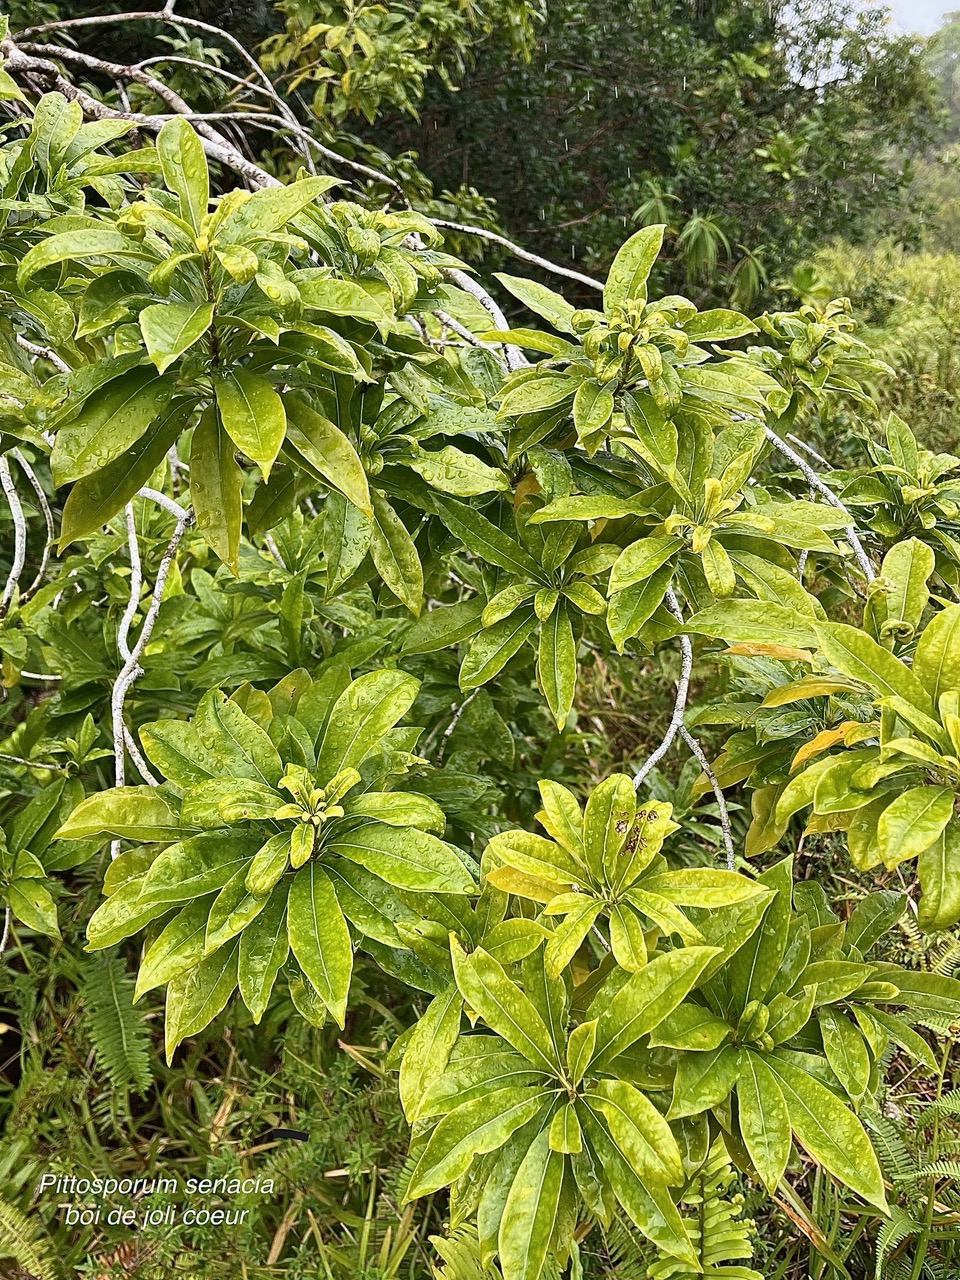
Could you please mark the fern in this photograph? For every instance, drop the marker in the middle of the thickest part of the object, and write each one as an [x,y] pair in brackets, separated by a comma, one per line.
[719,1235]
[119,1032]
[948,1104]
[946,959]
[25,1243]
[460,1252]
[889,1145]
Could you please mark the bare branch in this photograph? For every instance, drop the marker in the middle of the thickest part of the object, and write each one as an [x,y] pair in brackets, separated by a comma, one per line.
[131,670]
[850,532]
[136,585]
[513,355]
[523,254]
[44,506]
[20,535]
[680,703]
[224,153]
[698,752]
[43,353]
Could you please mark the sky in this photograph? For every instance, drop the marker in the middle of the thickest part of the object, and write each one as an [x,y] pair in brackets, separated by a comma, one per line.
[921,15]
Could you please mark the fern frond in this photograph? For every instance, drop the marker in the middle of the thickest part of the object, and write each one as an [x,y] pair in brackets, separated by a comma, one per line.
[946,959]
[119,1032]
[895,1159]
[936,1169]
[897,1228]
[948,1104]
[718,1233]
[25,1242]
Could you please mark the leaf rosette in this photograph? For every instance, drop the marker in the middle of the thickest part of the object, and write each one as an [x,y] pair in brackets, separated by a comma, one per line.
[604,864]
[279,830]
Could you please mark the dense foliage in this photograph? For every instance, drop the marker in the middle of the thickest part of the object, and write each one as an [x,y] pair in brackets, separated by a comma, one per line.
[309,560]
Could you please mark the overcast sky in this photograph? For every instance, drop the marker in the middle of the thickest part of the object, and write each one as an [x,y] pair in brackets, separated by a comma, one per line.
[921,15]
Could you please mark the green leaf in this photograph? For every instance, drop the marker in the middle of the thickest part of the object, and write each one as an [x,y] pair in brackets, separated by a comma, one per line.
[492,649]
[936,663]
[481,1125]
[902,444]
[485,539]
[122,915]
[328,451]
[764,1120]
[655,435]
[178,948]
[453,471]
[557,664]
[395,556]
[641,559]
[628,610]
[346,539]
[241,748]
[185,168]
[939,874]
[913,822]
[719,325]
[361,716]
[607,823]
[407,858]
[216,482]
[645,999]
[445,626]
[855,654]
[846,1052]
[200,865]
[703,1081]
[94,499]
[71,246]
[632,266]
[554,309]
[592,407]
[345,298]
[253,415]
[111,421]
[639,1130]
[503,1006]
[171,328]
[232,910]
[907,566]
[31,902]
[195,998]
[264,945]
[428,1049]
[830,1132]
[126,813]
[319,937]
[754,621]
[531,1213]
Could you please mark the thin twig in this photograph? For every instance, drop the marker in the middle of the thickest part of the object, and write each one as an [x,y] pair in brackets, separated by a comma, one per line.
[131,670]
[136,585]
[680,703]
[43,353]
[6,930]
[676,726]
[514,356]
[698,752]
[44,506]
[850,532]
[137,757]
[523,254]
[19,537]
[33,764]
